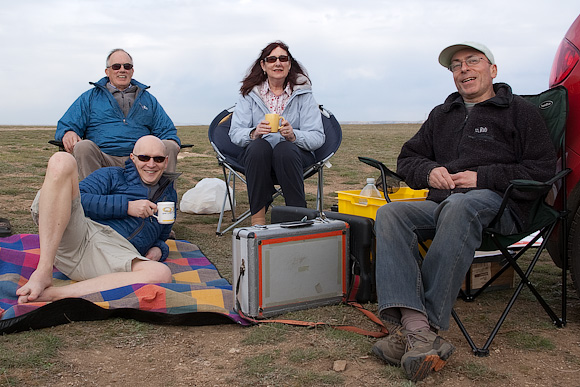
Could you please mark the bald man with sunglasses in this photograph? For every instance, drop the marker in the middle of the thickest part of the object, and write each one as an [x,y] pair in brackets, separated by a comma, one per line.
[102,125]
[101,231]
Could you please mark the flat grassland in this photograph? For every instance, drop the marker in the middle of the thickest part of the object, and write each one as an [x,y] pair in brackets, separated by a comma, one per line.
[528,350]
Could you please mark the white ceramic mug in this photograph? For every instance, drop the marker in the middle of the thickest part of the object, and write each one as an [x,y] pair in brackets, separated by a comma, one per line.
[165,212]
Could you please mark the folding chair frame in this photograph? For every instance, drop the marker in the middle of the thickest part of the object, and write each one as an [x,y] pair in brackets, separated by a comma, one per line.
[60,145]
[512,261]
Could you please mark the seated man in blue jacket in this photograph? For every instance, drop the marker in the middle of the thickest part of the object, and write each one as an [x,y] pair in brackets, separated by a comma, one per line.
[101,231]
[102,125]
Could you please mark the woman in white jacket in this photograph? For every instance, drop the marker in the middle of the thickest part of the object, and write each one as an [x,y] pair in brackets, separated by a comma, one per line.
[276,83]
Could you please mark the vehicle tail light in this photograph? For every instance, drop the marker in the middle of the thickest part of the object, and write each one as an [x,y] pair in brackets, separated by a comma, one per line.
[566,59]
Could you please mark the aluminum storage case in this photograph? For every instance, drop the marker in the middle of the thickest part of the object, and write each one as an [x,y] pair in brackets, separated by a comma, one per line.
[361,266]
[289,266]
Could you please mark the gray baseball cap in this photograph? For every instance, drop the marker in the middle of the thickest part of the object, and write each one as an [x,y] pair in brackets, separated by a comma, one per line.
[447,54]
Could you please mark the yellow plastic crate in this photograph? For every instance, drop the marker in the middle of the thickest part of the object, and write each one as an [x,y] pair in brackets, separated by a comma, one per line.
[351,202]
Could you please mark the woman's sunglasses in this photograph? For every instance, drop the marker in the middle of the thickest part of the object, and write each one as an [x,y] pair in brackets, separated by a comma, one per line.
[273,59]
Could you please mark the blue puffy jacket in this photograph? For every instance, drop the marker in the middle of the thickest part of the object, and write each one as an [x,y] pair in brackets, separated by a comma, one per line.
[97,116]
[105,196]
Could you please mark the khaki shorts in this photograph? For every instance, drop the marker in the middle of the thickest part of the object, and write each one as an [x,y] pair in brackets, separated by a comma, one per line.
[89,249]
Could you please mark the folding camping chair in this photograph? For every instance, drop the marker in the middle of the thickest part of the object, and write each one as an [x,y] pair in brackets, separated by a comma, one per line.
[544,218]
[228,158]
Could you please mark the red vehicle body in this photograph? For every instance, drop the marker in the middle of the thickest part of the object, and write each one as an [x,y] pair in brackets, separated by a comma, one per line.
[566,72]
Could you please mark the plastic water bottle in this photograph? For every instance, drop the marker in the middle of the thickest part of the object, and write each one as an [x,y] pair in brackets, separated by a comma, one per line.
[369,190]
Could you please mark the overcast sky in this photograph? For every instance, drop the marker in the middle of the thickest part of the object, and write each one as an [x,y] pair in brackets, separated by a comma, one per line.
[368,60]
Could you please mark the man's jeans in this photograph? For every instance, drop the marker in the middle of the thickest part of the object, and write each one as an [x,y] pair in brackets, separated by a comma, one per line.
[432,285]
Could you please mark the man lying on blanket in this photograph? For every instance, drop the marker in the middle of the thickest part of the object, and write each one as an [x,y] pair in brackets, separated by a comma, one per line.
[101,231]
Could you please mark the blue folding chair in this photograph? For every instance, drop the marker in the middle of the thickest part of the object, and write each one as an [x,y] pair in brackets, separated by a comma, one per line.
[228,155]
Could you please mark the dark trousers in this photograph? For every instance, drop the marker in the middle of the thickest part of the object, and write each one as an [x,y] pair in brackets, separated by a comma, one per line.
[283,165]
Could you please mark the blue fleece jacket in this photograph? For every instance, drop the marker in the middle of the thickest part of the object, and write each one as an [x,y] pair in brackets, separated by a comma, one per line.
[105,197]
[97,116]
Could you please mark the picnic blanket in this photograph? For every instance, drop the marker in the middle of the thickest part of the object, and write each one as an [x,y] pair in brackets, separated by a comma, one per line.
[198,294]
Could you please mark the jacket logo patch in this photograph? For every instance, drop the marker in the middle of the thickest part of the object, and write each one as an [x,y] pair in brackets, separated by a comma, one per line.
[546,104]
[481,129]
[144,107]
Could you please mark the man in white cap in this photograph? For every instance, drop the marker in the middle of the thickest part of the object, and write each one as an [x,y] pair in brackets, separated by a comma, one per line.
[466,153]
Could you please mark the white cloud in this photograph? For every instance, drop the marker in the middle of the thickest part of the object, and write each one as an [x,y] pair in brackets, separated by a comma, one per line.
[368,60]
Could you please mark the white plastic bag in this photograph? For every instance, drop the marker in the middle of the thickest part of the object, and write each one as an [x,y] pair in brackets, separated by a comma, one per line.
[206,197]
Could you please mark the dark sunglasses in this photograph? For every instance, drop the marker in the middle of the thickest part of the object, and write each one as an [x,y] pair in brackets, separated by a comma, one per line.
[273,59]
[157,159]
[117,66]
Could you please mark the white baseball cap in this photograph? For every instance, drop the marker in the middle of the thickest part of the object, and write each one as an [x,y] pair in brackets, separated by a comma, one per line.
[447,54]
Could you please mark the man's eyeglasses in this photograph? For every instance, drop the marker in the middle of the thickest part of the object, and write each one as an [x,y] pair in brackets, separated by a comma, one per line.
[117,66]
[455,66]
[273,59]
[157,159]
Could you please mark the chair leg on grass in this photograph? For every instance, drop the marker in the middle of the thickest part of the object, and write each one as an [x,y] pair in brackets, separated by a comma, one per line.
[524,280]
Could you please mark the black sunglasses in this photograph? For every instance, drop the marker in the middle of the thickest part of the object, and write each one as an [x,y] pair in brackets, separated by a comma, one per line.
[273,59]
[157,159]
[117,66]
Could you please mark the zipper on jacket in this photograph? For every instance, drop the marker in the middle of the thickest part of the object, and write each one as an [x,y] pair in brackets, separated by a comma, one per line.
[137,231]
[158,194]
[161,190]
[461,131]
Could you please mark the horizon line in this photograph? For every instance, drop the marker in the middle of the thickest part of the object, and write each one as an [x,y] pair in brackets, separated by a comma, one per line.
[198,124]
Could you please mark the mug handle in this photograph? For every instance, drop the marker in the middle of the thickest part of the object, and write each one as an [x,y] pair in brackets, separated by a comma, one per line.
[280,121]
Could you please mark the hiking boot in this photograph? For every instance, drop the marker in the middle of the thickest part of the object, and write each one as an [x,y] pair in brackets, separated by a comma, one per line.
[426,352]
[392,348]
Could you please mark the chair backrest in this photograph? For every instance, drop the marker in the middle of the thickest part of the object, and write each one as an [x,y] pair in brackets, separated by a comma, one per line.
[553,105]
[219,138]
[333,134]
[228,152]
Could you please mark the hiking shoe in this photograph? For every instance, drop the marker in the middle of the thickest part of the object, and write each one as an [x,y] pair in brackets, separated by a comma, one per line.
[392,348]
[426,352]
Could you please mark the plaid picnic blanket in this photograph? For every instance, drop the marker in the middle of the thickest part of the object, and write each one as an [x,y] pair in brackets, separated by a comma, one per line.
[198,294]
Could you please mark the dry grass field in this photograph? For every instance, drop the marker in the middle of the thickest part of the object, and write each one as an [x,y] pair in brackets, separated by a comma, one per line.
[528,351]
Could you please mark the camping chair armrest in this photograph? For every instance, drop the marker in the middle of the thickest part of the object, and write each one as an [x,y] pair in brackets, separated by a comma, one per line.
[56,143]
[559,176]
[523,185]
[60,145]
[532,185]
[378,165]
[385,171]
[528,185]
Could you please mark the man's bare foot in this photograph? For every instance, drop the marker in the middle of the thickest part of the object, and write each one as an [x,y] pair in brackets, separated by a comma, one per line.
[35,289]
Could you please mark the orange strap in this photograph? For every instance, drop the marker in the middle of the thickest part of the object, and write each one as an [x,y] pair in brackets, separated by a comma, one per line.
[383,331]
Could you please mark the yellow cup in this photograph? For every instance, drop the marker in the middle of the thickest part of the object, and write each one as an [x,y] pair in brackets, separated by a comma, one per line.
[274,120]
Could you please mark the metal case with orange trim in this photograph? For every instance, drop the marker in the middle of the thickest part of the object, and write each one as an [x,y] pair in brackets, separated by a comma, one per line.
[289,266]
